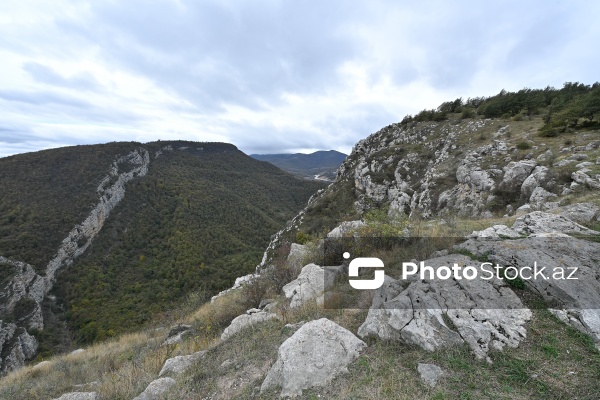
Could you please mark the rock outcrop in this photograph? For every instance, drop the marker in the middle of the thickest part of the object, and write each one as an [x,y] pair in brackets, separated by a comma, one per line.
[561,257]
[435,313]
[315,354]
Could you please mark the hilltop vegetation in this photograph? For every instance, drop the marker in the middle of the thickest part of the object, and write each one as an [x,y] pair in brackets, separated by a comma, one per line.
[575,105]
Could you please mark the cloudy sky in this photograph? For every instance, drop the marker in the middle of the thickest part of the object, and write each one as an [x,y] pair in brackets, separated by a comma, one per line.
[270,76]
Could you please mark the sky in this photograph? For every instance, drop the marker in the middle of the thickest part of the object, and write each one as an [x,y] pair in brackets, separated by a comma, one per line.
[270,76]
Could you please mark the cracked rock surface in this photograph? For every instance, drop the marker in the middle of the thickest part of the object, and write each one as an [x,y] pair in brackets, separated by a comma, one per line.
[486,314]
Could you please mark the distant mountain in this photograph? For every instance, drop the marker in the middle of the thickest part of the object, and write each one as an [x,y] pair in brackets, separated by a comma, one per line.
[318,165]
[103,237]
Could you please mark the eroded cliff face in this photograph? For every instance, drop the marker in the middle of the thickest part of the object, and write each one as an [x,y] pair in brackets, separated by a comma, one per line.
[469,168]
[22,290]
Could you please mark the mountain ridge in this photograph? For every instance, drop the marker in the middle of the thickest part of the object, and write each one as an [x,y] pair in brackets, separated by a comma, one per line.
[320,164]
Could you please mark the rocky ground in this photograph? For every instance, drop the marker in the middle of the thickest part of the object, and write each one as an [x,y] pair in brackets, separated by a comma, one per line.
[502,194]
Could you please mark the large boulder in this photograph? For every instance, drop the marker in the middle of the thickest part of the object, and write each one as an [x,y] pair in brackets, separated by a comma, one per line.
[540,177]
[16,345]
[252,317]
[484,313]
[539,222]
[559,257]
[310,284]
[515,173]
[318,352]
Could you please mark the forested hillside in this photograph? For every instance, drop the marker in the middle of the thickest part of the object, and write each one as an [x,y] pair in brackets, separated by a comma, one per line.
[199,218]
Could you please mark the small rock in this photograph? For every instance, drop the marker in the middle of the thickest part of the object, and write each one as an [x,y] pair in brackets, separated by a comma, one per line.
[440,253]
[177,365]
[156,389]
[524,209]
[252,317]
[41,365]
[430,373]
[176,334]
[79,396]
[578,157]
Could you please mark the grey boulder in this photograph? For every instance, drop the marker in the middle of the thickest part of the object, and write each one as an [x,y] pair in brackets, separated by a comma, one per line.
[429,373]
[177,365]
[156,389]
[315,354]
[310,284]
[252,317]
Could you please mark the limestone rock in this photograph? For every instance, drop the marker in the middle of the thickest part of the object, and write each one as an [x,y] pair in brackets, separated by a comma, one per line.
[579,297]
[16,345]
[496,231]
[310,284]
[485,313]
[540,177]
[539,197]
[176,334]
[79,396]
[297,256]
[315,354]
[515,173]
[430,373]
[156,389]
[241,322]
[345,228]
[582,178]
[524,209]
[539,222]
[177,365]
[581,213]
[42,365]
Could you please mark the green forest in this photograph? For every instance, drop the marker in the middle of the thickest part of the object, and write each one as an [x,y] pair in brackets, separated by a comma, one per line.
[201,217]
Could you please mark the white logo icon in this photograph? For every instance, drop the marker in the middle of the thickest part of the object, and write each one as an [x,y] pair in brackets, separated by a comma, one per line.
[365,262]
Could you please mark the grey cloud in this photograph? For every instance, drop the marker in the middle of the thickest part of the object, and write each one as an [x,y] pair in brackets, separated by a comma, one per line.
[43,98]
[211,54]
[44,74]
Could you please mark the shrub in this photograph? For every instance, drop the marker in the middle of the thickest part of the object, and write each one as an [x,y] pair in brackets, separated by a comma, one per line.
[523,145]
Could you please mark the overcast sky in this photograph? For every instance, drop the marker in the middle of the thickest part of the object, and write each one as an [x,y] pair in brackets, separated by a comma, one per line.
[270,76]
